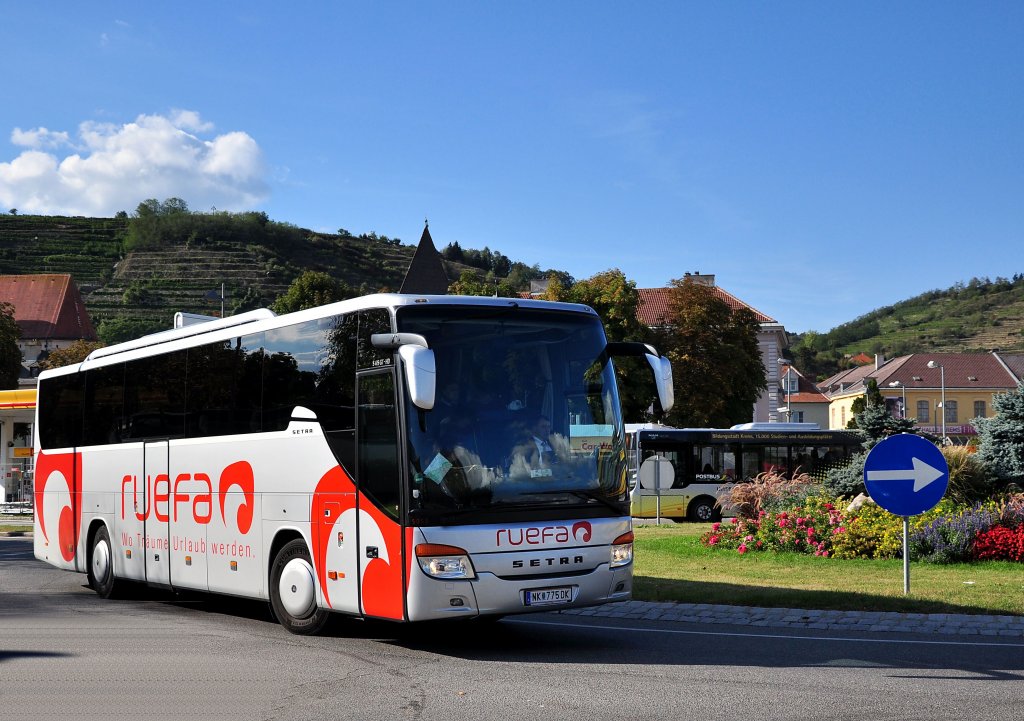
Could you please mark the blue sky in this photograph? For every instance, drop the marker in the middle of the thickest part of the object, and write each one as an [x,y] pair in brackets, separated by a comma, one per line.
[821,159]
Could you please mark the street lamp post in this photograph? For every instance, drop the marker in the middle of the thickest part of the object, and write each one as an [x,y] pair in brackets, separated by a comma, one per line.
[942,381]
[903,408]
[784,362]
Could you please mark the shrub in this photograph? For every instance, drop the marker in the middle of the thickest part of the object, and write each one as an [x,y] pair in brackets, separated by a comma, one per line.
[847,481]
[1000,543]
[949,538]
[871,533]
[968,480]
[1012,512]
[807,528]
[767,491]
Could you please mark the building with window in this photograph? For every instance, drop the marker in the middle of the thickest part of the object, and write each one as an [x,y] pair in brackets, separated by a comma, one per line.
[771,338]
[49,312]
[934,389]
[805,402]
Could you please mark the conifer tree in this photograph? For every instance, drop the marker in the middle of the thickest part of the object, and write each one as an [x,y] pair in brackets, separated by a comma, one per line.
[1001,437]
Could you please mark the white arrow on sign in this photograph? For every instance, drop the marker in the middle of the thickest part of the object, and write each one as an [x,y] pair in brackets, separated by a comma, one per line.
[922,475]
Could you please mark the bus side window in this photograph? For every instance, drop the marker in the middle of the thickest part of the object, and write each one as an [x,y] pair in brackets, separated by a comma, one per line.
[103,417]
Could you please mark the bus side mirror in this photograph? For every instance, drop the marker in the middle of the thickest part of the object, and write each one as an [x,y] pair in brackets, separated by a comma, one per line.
[662,368]
[420,374]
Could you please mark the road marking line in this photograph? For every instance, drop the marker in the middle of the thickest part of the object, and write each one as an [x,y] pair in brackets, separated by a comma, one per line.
[736,634]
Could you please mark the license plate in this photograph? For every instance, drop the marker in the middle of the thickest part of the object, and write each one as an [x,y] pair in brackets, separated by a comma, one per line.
[548,596]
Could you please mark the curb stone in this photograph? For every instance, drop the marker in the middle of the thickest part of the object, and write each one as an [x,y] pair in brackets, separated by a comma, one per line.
[944,624]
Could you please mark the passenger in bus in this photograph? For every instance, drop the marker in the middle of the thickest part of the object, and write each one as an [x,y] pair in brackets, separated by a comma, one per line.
[540,433]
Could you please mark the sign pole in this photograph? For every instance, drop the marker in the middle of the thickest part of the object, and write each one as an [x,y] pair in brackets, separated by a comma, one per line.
[906,556]
[657,490]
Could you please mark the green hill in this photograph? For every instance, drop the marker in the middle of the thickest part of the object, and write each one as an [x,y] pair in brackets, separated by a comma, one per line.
[135,273]
[980,315]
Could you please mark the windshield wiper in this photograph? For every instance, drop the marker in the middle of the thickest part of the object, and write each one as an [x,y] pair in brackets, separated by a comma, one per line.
[588,494]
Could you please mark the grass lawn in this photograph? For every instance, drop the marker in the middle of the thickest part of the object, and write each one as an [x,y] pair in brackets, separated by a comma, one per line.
[672,565]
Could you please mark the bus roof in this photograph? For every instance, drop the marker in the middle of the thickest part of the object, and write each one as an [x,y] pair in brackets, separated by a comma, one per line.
[264,319]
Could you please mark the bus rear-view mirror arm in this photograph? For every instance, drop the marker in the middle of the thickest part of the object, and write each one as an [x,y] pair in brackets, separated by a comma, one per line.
[418,363]
[660,365]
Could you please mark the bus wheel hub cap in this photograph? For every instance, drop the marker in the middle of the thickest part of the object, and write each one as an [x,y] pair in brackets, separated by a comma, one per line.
[100,561]
[297,588]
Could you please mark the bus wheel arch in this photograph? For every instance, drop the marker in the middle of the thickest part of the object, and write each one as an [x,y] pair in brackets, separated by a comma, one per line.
[292,586]
[100,561]
[704,509]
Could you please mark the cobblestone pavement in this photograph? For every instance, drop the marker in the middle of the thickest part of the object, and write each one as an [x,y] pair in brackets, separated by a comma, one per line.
[955,624]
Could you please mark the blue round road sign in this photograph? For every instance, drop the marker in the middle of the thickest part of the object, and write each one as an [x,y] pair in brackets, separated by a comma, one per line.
[906,474]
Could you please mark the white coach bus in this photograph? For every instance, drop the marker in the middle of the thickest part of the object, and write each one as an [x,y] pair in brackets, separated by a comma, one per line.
[305,459]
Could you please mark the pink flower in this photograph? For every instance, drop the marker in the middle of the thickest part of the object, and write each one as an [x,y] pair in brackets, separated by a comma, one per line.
[712,540]
[810,533]
[824,554]
[742,548]
[715,526]
[735,521]
[829,507]
[748,538]
[800,521]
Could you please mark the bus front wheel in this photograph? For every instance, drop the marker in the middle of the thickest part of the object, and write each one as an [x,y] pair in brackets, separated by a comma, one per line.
[101,565]
[703,510]
[293,590]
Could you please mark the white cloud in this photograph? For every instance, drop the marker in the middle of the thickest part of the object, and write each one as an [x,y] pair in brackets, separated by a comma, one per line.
[190,120]
[115,167]
[39,138]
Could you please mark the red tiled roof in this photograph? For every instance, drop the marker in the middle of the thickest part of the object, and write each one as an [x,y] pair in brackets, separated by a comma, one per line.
[47,307]
[962,370]
[862,359]
[1015,363]
[654,305]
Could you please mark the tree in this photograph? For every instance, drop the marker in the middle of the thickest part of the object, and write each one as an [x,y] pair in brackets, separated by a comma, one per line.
[70,354]
[1001,437]
[470,283]
[874,423]
[716,362]
[10,354]
[309,290]
[872,398]
[615,299]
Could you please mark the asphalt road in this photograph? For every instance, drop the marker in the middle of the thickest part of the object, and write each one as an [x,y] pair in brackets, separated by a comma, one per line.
[65,653]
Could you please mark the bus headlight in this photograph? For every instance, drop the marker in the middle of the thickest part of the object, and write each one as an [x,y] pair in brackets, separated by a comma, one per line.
[445,562]
[622,550]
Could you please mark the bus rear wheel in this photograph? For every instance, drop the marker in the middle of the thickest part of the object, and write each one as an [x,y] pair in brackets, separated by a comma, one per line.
[293,590]
[703,510]
[101,565]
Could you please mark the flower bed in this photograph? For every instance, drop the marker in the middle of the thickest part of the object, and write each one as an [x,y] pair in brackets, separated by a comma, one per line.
[817,525]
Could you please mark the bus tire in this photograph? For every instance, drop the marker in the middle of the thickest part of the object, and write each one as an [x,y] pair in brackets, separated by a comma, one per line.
[703,510]
[101,565]
[293,590]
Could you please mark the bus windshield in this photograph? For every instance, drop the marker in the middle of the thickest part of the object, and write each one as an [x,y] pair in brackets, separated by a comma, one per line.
[526,413]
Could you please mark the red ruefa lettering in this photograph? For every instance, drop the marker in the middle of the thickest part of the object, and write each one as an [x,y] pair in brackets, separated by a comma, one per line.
[204,498]
[238,474]
[178,496]
[167,497]
[161,496]
[540,536]
[124,482]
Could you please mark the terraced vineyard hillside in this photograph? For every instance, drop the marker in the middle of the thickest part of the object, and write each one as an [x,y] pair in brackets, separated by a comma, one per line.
[150,285]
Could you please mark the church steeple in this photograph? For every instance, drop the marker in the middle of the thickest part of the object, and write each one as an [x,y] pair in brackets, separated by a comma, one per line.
[426,274]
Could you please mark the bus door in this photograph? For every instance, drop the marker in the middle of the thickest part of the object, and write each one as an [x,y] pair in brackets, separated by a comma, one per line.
[156,522]
[378,477]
